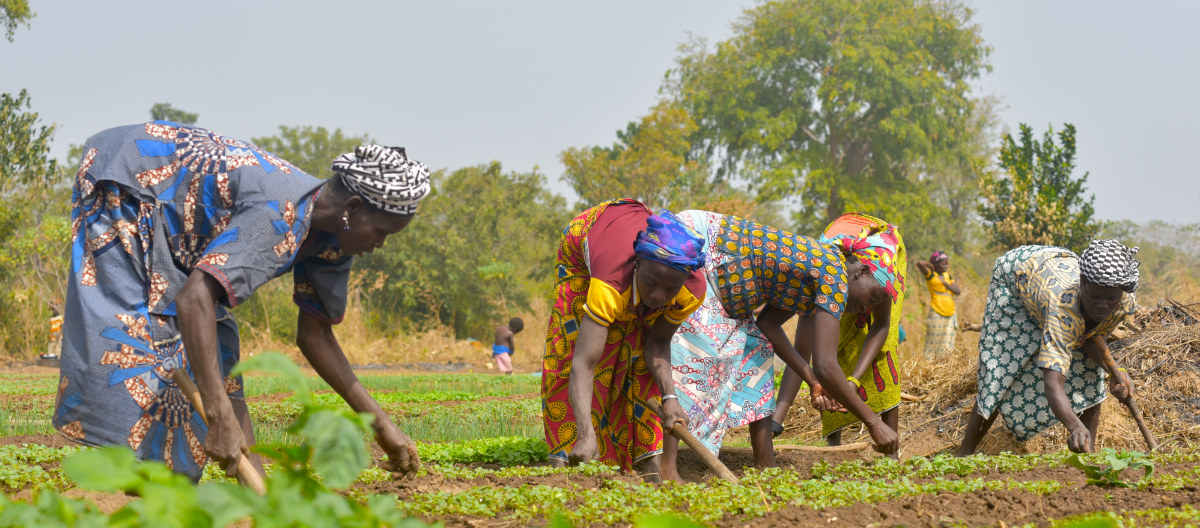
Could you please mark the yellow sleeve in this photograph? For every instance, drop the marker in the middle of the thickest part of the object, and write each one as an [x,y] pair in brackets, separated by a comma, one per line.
[1061,328]
[688,303]
[604,303]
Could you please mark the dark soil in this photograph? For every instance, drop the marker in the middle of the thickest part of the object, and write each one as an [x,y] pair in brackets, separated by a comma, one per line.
[980,508]
[53,440]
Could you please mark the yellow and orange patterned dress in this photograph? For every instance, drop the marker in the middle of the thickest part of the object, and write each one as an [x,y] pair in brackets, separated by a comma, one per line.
[595,279]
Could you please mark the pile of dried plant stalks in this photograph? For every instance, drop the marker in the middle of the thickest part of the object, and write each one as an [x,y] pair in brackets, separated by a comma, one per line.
[1160,348]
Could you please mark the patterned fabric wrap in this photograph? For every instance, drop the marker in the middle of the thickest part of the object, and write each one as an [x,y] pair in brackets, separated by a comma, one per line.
[722,366]
[938,256]
[150,204]
[667,240]
[384,177]
[881,386]
[626,430]
[1032,322]
[1110,263]
[772,266]
[940,332]
[875,247]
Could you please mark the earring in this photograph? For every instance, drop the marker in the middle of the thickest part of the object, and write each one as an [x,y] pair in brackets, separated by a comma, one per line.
[346,220]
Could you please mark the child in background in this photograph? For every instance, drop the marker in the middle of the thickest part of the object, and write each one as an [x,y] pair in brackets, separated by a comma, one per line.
[502,348]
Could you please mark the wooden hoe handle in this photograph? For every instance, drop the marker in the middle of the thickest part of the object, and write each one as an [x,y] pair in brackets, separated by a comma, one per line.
[705,455]
[1151,445]
[247,474]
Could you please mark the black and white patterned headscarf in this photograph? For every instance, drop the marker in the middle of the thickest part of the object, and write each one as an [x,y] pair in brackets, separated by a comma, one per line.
[1110,263]
[384,177]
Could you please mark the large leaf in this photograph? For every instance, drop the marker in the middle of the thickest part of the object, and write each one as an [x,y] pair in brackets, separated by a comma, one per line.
[226,502]
[103,469]
[665,521]
[339,453]
[281,365]
[171,504]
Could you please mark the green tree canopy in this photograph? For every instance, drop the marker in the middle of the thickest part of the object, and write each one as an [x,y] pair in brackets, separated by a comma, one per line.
[14,13]
[310,148]
[836,102]
[480,244]
[25,156]
[651,162]
[1036,201]
[166,112]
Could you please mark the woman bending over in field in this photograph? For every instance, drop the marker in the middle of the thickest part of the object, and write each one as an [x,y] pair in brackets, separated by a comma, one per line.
[173,227]
[722,355]
[866,351]
[1042,354]
[626,279]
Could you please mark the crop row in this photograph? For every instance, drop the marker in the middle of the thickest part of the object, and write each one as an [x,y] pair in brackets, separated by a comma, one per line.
[258,385]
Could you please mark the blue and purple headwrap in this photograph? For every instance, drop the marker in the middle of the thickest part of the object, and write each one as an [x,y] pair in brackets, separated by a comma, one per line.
[667,240]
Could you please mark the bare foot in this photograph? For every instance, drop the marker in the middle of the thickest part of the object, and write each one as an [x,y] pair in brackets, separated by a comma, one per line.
[649,470]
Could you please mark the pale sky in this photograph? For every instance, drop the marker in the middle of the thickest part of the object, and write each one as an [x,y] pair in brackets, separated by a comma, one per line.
[462,83]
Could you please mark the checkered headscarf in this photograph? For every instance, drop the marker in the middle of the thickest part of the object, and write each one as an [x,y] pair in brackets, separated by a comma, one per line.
[1110,263]
[384,177]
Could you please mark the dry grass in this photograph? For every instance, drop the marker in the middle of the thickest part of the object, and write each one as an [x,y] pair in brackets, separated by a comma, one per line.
[433,344]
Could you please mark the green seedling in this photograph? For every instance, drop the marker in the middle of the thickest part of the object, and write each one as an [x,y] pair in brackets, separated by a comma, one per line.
[1110,475]
[300,490]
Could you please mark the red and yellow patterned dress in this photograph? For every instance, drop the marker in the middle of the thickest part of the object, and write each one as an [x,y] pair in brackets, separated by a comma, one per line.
[595,279]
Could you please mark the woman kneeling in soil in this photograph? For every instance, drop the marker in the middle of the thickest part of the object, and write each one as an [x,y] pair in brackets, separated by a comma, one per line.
[173,227]
[625,281]
[866,352]
[722,356]
[1042,353]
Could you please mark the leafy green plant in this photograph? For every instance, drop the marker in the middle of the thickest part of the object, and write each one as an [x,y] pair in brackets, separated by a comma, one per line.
[506,451]
[331,455]
[1110,475]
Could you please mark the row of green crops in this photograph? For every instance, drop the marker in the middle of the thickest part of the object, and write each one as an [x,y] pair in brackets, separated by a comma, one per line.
[424,422]
[479,384]
[759,492]
[412,400]
[411,383]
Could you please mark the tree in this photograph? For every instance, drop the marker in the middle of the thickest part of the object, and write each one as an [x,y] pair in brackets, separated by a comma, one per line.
[312,149]
[166,112]
[14,13]
[650,162]
[481,245]
[836,102]
[1037,201]
[34,227]
[950,220]
[25,156]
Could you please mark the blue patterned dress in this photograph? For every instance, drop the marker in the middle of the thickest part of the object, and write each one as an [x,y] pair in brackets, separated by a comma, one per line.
[1032,321]
[721,362]
[150,204]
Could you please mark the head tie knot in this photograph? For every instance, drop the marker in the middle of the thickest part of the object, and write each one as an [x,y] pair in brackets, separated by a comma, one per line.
[384,177]
[875,247]
[1110,263]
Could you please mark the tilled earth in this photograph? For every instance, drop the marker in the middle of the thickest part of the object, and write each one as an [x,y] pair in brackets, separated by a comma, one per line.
[978,508]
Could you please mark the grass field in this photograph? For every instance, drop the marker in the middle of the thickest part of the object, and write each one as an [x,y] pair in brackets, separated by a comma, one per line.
[480,439]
